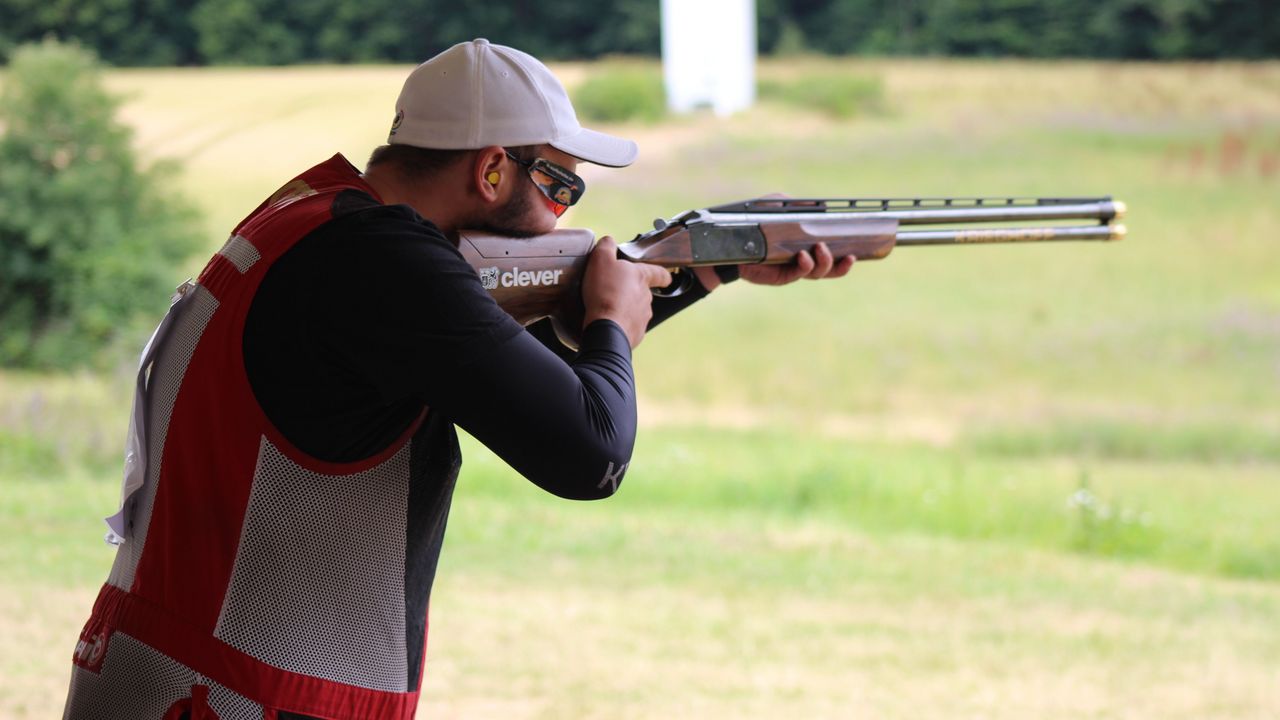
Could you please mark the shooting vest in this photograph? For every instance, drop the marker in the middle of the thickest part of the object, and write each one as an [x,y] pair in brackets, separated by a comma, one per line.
[252,577]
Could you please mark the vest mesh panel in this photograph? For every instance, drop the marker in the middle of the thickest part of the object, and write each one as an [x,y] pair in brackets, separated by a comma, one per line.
[347,602]
[137,683]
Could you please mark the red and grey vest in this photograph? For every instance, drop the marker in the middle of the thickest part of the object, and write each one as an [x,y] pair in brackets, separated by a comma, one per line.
[251,577]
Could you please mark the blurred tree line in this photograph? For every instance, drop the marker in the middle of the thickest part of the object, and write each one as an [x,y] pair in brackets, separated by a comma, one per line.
[197,32]
[89,238]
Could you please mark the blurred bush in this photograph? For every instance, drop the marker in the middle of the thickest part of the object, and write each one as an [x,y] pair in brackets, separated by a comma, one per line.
[839,96]
[89,240]
[619,92]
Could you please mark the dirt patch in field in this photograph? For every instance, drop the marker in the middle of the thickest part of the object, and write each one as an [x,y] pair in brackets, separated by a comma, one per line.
[39,627]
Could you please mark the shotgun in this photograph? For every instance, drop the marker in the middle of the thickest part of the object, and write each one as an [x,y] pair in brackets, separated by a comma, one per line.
[541,277]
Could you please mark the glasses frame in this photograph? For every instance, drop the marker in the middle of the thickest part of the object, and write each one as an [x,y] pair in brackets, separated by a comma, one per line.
[570,188]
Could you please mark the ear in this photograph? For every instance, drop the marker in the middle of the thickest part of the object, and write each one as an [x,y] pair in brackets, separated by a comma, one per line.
[488,175]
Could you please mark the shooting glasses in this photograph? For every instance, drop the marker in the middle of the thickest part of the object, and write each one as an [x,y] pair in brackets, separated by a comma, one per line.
[561,187]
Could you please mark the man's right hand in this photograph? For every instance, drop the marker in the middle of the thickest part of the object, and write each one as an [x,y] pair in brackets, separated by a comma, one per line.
[619,290]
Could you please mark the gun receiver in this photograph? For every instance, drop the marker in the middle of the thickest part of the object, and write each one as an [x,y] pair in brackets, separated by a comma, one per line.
[540,277]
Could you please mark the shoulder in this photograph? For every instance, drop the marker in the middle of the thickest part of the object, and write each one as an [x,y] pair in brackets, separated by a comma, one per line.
[369,258]
[356,215]
[365,234]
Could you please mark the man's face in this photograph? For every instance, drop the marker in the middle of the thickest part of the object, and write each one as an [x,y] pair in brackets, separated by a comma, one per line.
[525,212]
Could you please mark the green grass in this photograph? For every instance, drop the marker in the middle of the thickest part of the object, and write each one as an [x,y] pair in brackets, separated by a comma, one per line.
[759,575]
[982,482]
[1184,515]
[1209,444]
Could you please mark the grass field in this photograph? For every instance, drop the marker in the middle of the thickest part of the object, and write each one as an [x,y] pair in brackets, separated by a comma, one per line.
[1001,482]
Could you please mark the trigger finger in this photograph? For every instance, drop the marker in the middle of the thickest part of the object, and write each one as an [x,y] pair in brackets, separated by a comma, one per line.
[656,276]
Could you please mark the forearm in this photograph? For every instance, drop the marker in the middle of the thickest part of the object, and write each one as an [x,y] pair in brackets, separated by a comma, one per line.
[569,428]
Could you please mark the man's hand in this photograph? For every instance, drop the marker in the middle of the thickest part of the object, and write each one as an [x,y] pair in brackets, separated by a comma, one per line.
[811,266]
[618,290]
[816,266]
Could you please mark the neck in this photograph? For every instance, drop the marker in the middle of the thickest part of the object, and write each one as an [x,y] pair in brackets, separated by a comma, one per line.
[435,199]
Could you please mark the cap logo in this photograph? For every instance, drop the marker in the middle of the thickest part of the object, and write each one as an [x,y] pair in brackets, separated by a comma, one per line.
[395,124]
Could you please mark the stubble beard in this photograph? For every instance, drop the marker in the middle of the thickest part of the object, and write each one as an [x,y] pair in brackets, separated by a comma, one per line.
[513,219]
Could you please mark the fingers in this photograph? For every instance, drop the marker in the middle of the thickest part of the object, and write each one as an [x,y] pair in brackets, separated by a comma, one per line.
[654,276]
[804,265]
[822,262]
[607,246]
[826,266]
[843,266]
[651,275]
[800,266]
[620,291]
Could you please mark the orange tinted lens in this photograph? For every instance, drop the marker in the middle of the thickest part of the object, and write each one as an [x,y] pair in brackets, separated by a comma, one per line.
[556,207]
[563,190]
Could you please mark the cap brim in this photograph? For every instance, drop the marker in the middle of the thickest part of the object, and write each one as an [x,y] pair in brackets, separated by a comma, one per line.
[599,148]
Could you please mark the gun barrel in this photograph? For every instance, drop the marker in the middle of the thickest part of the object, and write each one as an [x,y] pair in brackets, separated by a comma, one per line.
[1103,210]
[1010,234]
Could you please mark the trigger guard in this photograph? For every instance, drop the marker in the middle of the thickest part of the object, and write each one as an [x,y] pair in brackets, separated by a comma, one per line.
[681,281]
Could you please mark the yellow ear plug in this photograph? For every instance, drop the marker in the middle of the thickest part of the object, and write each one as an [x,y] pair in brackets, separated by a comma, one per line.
[493,178]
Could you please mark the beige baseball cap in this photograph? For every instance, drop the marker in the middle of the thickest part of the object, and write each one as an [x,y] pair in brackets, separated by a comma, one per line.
[477,94]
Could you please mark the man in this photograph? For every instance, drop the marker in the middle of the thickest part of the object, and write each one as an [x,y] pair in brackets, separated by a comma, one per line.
[293,454]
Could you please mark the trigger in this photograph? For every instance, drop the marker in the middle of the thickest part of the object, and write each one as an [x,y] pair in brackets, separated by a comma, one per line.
[681,280]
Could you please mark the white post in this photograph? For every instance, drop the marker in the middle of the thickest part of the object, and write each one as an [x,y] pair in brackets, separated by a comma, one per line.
[709,54]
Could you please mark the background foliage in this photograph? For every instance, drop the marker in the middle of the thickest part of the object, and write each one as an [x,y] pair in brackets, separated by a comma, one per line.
[88,239]
[619,91]
[257,32]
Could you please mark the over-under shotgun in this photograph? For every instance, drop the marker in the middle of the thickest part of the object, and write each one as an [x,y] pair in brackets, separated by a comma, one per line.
[541,277]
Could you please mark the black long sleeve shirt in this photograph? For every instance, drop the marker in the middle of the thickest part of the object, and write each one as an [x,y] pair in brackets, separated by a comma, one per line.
[375,315]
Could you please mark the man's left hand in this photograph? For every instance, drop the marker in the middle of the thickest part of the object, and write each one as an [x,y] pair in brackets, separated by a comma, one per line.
[817,265]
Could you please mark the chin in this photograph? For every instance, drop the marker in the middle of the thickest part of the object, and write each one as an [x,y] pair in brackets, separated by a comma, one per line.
[546,226]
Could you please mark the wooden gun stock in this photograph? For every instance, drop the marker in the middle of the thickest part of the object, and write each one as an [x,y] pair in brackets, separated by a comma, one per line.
[534,278]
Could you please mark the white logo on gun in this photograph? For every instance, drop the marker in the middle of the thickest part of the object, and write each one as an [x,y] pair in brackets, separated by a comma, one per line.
[491,277]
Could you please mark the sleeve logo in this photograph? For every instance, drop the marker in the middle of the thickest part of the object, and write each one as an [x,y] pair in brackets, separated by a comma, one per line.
[612,477]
